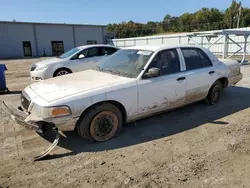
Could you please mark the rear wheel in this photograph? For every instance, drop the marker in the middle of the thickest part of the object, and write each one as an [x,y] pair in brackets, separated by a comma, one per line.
[214,94]
[101,122]
[61,72]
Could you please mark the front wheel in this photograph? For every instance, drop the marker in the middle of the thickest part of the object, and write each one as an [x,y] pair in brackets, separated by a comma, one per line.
[101,123]
[61,72]
[214,94]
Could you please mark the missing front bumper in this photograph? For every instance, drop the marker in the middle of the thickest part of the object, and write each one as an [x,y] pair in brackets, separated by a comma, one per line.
[19,116]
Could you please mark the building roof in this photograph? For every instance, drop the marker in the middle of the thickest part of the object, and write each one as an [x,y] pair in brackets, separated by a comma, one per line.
[61,24]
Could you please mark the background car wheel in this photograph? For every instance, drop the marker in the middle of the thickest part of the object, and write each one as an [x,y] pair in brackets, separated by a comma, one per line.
[214,93]
[100,123]
[61,72]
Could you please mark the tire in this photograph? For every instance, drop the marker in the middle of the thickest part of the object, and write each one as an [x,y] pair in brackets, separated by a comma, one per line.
[61,72]
[214,94]
[100,123]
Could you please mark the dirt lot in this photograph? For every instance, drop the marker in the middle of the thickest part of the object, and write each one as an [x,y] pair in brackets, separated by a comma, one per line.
[195,146]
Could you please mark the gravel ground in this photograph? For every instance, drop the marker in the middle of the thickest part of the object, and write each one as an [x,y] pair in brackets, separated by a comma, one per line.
[194,146]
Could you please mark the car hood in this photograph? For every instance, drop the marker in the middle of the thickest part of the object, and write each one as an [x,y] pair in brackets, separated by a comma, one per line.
[71,84]
[49,61]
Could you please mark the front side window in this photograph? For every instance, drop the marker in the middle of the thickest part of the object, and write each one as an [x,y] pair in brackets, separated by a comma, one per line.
[92,52]
[127,62]
[167,61]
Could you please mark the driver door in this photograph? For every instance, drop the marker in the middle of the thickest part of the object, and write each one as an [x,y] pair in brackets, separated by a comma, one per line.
[86,59]
[166,91]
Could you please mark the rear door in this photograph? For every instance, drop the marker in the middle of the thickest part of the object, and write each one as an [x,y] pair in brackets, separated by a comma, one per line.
[200,74]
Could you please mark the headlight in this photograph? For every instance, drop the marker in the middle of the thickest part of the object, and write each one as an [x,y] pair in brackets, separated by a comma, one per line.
[41,67]
[33,67]
[60,111]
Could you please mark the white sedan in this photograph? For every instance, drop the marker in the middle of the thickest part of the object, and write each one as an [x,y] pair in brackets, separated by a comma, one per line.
[77,59]
[131,84]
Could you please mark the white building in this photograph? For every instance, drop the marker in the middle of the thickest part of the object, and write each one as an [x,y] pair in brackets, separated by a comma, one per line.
[21,39]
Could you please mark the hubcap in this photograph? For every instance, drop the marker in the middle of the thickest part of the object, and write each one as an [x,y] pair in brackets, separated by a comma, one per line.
[104,126]
[62,72]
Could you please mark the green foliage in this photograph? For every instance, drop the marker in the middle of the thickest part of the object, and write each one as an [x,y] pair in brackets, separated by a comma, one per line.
[202,20]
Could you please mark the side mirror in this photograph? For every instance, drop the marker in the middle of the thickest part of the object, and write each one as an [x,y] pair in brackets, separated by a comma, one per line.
[81,56]
[153,72]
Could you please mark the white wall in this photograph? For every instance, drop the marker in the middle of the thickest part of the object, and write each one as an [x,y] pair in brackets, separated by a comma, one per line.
[181,38]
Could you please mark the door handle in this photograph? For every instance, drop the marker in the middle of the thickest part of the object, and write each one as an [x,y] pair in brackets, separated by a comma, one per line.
[181,78]
[211,72]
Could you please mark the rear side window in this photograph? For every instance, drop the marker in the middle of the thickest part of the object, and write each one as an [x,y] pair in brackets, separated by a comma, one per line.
[204,58]
[195,58]
[192,59]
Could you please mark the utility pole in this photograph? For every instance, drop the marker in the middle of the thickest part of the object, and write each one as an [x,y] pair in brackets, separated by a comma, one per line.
[239,15]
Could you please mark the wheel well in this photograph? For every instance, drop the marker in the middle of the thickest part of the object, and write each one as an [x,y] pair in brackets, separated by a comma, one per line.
[115,103]
[62,68]
[223,81]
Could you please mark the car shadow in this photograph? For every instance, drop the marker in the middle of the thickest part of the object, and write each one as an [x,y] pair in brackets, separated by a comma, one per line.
[166,124]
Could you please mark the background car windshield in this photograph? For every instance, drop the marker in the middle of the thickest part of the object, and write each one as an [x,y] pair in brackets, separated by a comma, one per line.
[129,62]
[69,53]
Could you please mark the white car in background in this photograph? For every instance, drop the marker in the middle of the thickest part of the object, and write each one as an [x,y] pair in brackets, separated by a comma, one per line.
[77,59]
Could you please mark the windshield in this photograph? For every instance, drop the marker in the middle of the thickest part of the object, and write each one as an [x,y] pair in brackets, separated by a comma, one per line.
[127,62]
[69,53]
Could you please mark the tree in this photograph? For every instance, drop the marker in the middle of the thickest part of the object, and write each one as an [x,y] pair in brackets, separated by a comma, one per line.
[245,17]
[201,20]
[231,14]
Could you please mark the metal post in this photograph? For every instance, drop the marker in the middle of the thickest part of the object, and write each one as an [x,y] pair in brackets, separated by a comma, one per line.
[134,42]
[225,46]
[35,39]
[202,41]
[244,49]
[239,14]
[179,39]
[74,35]
[162,39]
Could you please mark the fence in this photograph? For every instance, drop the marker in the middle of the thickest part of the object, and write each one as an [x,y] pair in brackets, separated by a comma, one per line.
[218,48]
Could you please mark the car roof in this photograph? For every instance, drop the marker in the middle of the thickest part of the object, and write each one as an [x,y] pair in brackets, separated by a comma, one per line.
[159,47]
[96,45]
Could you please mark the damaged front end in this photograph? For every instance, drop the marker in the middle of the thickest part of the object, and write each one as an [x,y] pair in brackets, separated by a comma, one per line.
[21,117]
